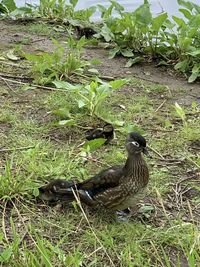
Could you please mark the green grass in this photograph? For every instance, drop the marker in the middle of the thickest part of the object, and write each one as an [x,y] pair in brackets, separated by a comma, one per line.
[39,28]
[38,149]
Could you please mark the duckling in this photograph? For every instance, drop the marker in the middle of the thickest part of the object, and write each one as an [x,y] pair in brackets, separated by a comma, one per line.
[49,191]
[107,132]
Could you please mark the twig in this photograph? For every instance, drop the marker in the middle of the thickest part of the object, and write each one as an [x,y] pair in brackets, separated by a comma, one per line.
[88,256]
[38,40]
[8,85]
[161,105]
[107,78]
[192,161]
[37,86]
[86,218]
[3,223]
[81,144]
[17,148]
[12,64]
[162,204]
[156,152]
[190,210]
[172,160]
[187,178]
[26,229]
[2,75]
[157,254]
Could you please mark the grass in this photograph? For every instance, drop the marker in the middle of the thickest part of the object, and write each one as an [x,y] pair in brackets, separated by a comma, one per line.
[39,28]
[38,149]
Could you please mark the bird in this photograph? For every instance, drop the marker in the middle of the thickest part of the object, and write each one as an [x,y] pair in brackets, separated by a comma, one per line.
[116,188]
[49,192]
[107,132]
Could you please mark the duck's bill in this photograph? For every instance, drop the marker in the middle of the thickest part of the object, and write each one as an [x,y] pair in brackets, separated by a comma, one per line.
[146,152]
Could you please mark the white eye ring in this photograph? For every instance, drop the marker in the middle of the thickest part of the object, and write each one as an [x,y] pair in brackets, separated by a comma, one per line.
[135,144]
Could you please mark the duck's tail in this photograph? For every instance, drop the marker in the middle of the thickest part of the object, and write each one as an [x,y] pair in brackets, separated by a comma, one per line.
[66,191]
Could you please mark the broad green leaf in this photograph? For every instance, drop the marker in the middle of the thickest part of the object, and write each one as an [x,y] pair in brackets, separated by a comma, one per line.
[10,55]
[193,77]
[195,73]
[143,13]
[94,144]
[180,111]
[194,53]
[127,52]
[118,83]
[93,71]
[117,6]
[106,33]
[133,61]
[6,255]
[196,68]
[36,192]
[62,84]
[10,4]
[189,5]
[195,21]
[157,22]
[113,52]
[182,66]
[186,13]
[69,122]
[81,103]
[179,21]
[73,2]
[66,85]
[2,58]
[118,123]
[192,32]
[146,209]
[62,113]
[162,63]
[3,9]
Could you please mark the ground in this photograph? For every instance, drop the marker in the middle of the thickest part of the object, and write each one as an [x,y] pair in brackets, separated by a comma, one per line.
[35,149]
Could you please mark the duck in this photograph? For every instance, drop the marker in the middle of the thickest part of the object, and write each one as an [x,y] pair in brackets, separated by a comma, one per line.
[115,188]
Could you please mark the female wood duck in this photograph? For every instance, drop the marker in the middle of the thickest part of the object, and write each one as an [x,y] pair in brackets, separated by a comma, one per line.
[115,188]
[107,132]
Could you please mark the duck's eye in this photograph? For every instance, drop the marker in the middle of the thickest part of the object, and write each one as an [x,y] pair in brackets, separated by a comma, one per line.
[135,143]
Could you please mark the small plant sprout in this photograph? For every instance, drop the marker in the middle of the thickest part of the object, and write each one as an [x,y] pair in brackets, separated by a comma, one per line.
[181,113]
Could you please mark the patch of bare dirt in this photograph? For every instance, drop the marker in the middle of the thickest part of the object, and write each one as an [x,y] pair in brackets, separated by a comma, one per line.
[184,93]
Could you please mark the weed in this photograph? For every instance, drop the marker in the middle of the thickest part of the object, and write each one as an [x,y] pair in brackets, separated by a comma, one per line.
[41,29]
[92,96]
[137,33]
[57,65]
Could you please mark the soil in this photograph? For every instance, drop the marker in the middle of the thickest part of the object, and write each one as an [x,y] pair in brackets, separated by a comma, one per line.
[114,68]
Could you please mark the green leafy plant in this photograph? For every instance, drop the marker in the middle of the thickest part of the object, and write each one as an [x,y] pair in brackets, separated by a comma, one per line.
[57,65]
[181,113]
[91,96]
[6,7]
[138,33]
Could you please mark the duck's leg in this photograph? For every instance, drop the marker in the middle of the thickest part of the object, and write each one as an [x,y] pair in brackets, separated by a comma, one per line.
[123,215]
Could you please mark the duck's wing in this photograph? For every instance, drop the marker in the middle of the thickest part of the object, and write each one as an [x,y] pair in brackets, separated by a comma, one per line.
[106,179]
[88,189]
